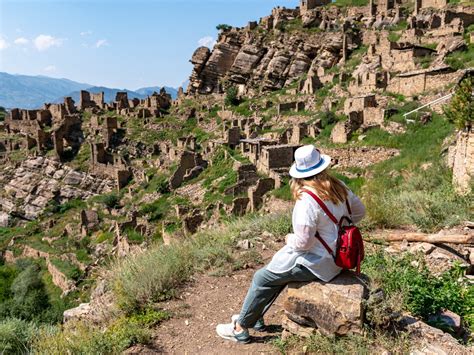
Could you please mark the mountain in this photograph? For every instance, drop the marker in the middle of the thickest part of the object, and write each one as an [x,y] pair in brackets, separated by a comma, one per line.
[109,93]
[149,90]
[33,91]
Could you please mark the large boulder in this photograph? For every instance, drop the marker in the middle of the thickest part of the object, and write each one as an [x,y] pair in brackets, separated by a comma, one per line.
[333,308]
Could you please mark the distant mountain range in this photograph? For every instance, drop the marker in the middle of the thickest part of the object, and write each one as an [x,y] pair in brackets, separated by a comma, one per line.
[32,92]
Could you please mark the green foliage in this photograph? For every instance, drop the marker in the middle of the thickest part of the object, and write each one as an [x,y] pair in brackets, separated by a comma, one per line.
[16,336]
[67,268]
[408,279]
[3,113]
[157,209]
[110,200]
[402,193]
[348,3]
[7,274]
[223,27]
[394,36]
[461,59]
[461,108]
[231,96]
[283,193]
[28,298]
[369,343]
[81,338]
[158,183]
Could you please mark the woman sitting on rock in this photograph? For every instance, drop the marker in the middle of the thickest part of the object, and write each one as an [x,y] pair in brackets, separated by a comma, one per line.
[303,258]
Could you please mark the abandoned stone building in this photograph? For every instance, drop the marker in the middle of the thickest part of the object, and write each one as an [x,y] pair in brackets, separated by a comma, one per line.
[103,163]
[420,81]
[306,5]
[368,82]
[91,100]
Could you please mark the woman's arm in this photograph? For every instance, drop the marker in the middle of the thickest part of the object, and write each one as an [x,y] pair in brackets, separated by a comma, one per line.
[357,208]
[304,227]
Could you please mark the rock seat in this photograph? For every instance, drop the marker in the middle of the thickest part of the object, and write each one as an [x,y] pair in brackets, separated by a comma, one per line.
[331,308]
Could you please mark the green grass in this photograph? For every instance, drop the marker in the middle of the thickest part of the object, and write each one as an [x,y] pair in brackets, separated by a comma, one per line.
[347,3]
[461,59]
[71,271]
[369,343]
[401,193]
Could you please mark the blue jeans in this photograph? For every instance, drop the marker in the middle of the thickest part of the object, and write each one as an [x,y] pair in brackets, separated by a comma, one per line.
[265,288]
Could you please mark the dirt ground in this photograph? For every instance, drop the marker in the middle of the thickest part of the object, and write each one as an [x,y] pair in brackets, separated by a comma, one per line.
[205,302]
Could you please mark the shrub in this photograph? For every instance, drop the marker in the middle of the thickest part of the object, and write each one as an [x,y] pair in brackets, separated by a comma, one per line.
[29,299]
[408,280]
[110,200]
[461,108]
[231,96]
[16,336]
[223,27]
[81,338]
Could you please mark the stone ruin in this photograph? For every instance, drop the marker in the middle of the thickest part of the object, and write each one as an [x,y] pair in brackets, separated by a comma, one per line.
[190,166]
[91,100]
[106,164]
[55,126]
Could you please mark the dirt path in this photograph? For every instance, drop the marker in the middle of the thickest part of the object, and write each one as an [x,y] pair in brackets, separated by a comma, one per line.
[206,302]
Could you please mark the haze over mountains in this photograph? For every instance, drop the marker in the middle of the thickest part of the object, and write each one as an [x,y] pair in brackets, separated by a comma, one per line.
[31,92]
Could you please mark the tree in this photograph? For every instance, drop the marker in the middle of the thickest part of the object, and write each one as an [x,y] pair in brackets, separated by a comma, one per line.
[223,27]
[460,111]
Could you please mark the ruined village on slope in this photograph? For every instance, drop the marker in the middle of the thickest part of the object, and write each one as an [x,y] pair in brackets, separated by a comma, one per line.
[360,57]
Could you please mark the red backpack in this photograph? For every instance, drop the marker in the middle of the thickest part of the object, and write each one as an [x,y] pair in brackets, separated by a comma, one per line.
[350,246]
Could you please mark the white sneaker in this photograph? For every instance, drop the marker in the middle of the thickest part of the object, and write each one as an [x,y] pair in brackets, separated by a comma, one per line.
[228,332]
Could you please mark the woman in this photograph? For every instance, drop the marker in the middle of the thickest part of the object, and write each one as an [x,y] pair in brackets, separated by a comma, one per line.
[303,258]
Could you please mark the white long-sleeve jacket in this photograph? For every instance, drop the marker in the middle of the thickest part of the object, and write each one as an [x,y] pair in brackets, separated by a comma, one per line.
[302,246]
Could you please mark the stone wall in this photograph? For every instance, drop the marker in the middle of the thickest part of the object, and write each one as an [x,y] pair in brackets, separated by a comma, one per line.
[461,161]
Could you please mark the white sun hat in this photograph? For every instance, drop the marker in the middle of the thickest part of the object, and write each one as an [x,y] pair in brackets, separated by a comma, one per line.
[308,162]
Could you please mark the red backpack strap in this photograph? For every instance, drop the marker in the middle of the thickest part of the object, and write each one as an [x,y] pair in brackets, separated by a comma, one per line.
[323,242]
[348,207]
[322,205]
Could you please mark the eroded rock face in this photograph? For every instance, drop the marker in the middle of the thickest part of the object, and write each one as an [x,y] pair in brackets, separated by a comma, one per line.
[253,61]
[334,308]
[37,181]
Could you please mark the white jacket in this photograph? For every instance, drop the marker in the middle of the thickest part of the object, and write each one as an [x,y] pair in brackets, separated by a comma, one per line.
[302,246]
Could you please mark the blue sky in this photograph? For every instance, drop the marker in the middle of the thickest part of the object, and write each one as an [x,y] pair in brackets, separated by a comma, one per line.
[124,44]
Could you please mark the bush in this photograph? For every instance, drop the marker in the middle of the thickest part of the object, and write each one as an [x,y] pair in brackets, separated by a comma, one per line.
[461,108]
[81,338]
[16,336]
[110,200]
[29,298]
[231,96]
[408,280]
[223,27]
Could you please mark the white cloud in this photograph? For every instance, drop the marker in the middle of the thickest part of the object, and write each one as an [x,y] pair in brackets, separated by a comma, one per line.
[3,43]
[21,41]
[50,69]
[43,42]
[86,33]
[101,43]
[207,41]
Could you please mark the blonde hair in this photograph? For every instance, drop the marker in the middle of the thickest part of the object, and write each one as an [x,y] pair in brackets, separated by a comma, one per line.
[327,187]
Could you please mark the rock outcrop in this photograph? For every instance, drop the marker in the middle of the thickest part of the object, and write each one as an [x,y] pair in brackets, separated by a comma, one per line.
[333,308]
[38,181]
